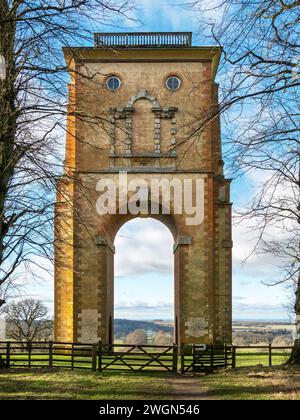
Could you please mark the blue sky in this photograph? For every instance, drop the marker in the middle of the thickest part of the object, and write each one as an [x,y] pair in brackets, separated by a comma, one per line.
[144,279]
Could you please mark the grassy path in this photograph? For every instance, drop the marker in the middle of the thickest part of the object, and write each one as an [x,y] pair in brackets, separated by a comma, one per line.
[188,388]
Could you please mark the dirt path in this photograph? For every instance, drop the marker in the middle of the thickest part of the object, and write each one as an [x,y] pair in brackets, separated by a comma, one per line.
[188,388]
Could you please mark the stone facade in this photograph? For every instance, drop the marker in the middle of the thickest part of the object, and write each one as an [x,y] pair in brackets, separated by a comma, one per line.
[147,131]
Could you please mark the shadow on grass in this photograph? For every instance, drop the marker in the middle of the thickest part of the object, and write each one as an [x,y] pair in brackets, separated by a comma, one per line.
[254,383]
[240,392]
[84,385]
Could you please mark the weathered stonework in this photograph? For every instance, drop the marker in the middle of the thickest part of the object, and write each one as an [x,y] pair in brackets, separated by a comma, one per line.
[89,321]
[126,113]
[141,129]
[197,328]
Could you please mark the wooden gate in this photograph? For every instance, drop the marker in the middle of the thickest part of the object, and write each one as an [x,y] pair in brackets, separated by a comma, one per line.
[201,358]
[137,358]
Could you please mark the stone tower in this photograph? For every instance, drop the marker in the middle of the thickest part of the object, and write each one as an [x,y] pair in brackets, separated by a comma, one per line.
[138,105]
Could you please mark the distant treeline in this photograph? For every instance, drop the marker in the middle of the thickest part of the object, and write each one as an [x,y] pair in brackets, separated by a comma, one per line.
[123,327]
[274,337]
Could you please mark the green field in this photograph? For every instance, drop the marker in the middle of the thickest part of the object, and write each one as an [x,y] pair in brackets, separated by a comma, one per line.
[245,358]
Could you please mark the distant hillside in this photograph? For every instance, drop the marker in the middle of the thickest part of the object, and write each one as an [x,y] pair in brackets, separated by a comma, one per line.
[125,326]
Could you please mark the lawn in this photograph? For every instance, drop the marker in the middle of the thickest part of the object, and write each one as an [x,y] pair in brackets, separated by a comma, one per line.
[254,357]
[256,383]
[79,385]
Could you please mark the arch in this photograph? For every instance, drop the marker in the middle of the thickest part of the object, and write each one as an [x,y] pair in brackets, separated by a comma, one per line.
[143,94]
[138,275]
[115,222]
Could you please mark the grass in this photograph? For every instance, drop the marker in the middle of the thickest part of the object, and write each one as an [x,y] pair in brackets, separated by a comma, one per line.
[81,385]
[276,383]
[246,358]
[252,380]
[254,383]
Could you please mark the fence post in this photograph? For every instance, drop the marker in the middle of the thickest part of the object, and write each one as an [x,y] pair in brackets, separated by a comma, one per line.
[182,367]
[226,356]
[100,356]
[233,357]
[270,354]
[29,348]
[72,357]
[94,357]
[212,358]
[175,358]
[8,355]
[51,355]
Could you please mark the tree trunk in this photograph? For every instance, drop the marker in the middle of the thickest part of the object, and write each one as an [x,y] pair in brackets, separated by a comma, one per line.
[295,356]
[8,116]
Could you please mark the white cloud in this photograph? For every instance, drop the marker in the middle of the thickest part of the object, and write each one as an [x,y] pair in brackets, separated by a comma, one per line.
[254,310]
[241,307]
[144,305]
[263,266]
[145,310]
[143,245]
[157,15]
[267,267]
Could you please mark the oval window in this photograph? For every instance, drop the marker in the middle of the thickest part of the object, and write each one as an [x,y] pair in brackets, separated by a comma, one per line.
[173,83]
[113,83]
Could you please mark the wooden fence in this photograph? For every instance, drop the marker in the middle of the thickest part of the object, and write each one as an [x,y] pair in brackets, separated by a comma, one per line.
[95,357]
[260,355]
[100,357]
[47,355]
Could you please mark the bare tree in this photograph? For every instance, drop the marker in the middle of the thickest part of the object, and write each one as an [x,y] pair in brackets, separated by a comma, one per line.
[27,321]
[260,105]
[162,338]
[137,337]
[282,341]
[295,356]
[32,117]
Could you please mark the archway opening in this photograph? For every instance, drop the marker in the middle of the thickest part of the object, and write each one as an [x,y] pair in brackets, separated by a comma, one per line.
[144,283]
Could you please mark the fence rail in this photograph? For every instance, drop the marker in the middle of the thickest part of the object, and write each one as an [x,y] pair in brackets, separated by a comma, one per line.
[101,357]
[137,358]
[196,358]
[144,39]
[260,355]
